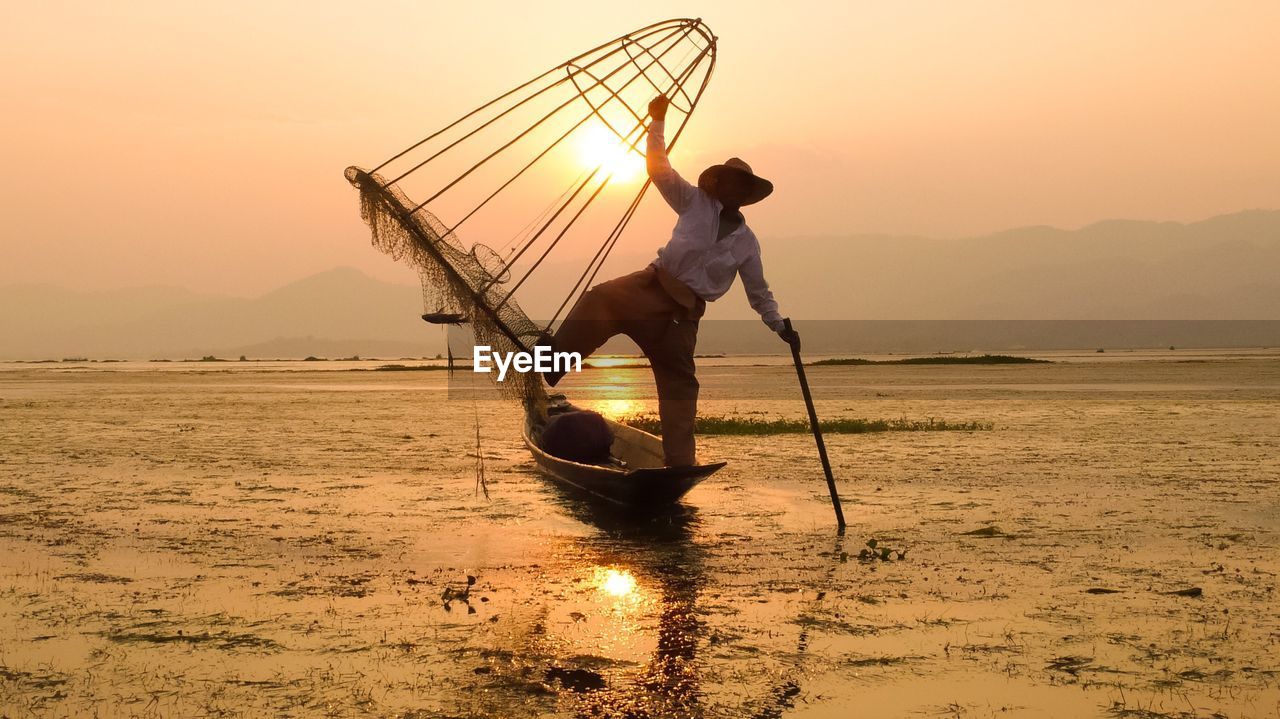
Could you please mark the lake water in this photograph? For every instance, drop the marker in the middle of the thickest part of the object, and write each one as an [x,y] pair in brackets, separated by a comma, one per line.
[304,538]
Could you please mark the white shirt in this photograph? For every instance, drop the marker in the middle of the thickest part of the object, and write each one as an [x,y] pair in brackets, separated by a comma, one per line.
[693,254]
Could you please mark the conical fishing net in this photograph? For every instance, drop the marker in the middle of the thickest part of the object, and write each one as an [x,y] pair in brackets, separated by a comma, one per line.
[470,283]
[565,149]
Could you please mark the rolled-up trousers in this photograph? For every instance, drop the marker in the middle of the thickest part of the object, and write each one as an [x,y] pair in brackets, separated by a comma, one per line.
[644,306]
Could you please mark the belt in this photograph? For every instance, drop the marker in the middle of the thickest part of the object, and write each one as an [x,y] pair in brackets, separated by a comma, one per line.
[680,292]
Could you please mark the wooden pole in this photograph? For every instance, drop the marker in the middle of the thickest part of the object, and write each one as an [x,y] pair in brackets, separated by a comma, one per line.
[817,430]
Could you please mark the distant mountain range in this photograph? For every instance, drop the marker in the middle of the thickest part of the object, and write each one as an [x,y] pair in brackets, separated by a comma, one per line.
[341,312]
[1223,268]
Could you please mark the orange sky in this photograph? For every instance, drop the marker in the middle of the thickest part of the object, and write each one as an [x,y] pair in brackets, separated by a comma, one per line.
[202,144]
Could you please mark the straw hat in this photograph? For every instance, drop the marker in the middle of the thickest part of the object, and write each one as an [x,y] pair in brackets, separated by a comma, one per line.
[760,187]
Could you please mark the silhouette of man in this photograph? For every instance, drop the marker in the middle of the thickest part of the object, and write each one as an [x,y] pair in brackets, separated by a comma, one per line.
[659,306]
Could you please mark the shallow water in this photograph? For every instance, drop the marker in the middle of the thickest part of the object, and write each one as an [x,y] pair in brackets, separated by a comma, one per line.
[198,539]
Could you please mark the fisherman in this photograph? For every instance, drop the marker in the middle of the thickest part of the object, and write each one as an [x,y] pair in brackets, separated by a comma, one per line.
[659,306]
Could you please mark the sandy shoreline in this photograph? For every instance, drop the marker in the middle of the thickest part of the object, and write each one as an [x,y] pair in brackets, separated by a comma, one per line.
[265,541]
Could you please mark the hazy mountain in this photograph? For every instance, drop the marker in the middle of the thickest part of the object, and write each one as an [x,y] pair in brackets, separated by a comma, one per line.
[1221,268]
[341,309]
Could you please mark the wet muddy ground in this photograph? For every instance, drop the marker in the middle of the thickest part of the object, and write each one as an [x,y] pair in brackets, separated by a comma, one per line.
[228,540]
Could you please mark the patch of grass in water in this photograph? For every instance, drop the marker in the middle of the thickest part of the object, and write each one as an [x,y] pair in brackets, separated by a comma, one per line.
[17,492]
[96,578]
[405,368]
[220,640]
[721,425]
[882,661]
[941,359]
[40,679]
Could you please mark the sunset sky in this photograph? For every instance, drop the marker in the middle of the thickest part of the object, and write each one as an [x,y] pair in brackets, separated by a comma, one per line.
[202,144]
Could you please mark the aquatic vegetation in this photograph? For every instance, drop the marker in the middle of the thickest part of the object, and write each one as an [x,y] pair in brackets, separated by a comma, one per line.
[220,640]
[940,359]
[713,424]
[881,661]
[451,595]
[1069,664]
[875,551]
[96,577]
[990,530]
[576,680]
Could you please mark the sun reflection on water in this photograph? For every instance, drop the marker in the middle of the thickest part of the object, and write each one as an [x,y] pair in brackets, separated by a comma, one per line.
[618,583]
[617,586]
[616,408]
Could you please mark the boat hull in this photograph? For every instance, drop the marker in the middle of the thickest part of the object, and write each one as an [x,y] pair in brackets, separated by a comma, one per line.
[643,482]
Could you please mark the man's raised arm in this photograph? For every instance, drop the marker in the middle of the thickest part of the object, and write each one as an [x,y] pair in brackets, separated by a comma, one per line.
[675,189]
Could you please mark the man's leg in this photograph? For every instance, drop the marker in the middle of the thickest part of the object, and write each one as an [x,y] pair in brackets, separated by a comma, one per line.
[671,357]
[598,315]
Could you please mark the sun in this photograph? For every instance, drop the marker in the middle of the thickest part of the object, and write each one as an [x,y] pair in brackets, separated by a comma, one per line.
[597,145]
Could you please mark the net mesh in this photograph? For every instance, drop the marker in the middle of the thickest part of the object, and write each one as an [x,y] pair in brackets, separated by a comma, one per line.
[470,283]
[496,166]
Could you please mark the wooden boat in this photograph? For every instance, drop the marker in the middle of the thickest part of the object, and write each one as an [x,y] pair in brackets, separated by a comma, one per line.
[636,476]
